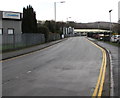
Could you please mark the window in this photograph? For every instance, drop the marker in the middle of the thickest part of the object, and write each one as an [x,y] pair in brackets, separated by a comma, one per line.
[1,31]
[11,31]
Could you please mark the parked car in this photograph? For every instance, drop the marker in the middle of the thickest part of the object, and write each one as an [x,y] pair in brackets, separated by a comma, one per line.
[118,40]
[106,37]
[100,36]
[115,38]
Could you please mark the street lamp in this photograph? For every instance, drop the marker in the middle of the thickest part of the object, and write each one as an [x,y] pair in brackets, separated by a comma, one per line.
[68,18]
[67,31]
[98,25]
[110,22]
[55,7]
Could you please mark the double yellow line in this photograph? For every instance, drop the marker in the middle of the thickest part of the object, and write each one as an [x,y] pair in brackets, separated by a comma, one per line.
[99,86]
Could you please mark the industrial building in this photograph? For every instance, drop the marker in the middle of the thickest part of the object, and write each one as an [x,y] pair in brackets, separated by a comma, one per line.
[10,26]
[10,22]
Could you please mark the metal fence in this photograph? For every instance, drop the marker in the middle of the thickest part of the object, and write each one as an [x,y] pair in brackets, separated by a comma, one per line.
[53,37]
[18,41]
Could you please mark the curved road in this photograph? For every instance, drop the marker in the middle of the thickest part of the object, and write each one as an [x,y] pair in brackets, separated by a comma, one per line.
[70,68]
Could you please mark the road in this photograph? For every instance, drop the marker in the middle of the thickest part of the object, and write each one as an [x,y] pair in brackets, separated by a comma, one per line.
[115,64]
[69,68]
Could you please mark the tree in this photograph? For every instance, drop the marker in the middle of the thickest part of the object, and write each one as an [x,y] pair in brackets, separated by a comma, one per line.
[44,30]
[59,27]
[116,28]
[29,22]
[51,26]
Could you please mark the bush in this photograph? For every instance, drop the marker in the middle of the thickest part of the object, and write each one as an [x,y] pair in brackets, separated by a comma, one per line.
[44,30]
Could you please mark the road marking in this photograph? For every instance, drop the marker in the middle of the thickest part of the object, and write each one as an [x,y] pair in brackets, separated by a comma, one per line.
[101,78]
[99,86]
[100,75]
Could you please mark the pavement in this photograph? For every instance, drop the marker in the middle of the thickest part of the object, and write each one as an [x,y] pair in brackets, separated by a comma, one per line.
[69,68]
[115,66]
[28,50]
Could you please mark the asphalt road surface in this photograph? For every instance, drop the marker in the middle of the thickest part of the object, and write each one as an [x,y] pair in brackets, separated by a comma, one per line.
[69,68]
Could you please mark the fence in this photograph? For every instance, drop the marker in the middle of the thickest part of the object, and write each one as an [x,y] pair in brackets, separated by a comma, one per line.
[53,37]
[18,41]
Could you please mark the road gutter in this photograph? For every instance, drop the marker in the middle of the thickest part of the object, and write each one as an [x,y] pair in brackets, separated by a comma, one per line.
[101,79]
[111,74]
[110,69]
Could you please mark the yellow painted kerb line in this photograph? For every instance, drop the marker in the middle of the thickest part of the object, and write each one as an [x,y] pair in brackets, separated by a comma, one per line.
[99,86]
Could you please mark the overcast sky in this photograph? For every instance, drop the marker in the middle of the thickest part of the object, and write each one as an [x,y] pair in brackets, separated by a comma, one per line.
[79,10]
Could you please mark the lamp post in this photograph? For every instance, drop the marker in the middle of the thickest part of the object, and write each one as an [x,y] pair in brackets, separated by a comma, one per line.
[98,30]
[98,25]
[110,22]
[67,25]
[55,8]
[55,11]
[68,18]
